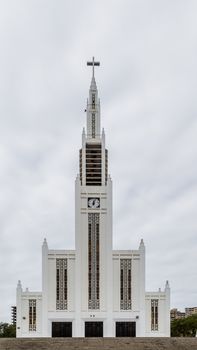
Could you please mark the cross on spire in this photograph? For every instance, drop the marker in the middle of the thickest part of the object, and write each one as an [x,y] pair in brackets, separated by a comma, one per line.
[93,63]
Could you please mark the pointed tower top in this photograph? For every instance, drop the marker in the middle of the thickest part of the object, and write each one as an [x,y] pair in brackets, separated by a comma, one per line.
[93,129]
[93,86]
[167,285]
[19,285]
[142,246]
[45,245]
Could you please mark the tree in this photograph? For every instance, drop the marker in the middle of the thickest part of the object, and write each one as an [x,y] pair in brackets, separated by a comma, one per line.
[185,327]
[7,330]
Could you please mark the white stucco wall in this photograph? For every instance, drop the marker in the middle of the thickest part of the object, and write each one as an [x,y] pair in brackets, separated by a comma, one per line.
[23,314]
[163,313]
[52,256]
[136,314]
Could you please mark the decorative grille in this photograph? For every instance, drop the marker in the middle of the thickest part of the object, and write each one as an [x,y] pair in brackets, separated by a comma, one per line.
[93,101]
[125,284]
[32,315]
[93,261]
[61,284]
[154,314]
[93,125]
[106,166]
[80,164]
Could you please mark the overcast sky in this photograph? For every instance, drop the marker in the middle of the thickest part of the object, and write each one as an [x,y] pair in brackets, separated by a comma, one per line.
[147,83]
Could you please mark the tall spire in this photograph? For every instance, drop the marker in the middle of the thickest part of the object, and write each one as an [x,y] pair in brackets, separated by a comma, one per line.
[93,107]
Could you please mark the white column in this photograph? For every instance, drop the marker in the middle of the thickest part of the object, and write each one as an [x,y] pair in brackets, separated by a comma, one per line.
[167,313]
[98,120]
[109,266]
[77,327]
[19,309]
[83,158]
[103,158]
[141,321]
[45,332]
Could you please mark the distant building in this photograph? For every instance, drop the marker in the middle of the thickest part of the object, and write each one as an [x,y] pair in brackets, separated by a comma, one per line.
[13,315]
[175,314]
[189,311]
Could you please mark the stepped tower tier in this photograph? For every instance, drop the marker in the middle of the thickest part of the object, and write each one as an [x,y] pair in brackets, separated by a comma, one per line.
[93,155]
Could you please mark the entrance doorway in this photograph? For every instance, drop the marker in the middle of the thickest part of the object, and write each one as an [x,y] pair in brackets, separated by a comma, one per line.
[61,329]
[93,329]
[125,329]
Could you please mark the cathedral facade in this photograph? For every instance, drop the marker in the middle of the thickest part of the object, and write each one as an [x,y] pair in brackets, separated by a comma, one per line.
[93,291]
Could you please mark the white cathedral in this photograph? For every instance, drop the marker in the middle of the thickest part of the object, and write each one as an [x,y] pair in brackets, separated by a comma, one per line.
[93,291]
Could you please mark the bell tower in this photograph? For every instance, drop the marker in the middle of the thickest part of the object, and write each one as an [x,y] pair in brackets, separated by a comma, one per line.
[93,155]
[93,218]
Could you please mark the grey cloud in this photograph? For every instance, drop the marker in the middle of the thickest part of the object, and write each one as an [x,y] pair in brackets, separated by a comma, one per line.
[147,85]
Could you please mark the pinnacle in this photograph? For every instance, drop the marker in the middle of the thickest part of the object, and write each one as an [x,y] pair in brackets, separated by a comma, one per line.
[93,84]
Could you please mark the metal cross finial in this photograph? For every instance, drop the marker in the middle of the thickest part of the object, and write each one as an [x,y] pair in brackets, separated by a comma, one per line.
[93,64]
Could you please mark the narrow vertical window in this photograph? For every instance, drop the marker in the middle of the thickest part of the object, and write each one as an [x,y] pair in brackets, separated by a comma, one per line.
[125,284]
[97,261]
[32,315]
[93,101]
[129,285]
[65,284]
[80,164]
[106,166]
[93,125]
[121,284]
[58,284]
[61,284]
[154,315]
[89,261]
[93,261]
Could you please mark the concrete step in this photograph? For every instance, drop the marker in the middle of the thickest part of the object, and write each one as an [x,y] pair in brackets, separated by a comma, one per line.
[98,344]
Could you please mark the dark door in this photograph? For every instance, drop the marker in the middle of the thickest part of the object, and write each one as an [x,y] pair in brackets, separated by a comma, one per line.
[93,329]
[61,329]
[125,329]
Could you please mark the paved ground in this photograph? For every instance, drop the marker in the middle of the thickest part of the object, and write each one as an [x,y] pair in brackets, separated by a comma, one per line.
[99,344]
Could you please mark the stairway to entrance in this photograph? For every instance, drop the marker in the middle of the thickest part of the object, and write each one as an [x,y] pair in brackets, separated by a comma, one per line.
[98,344]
